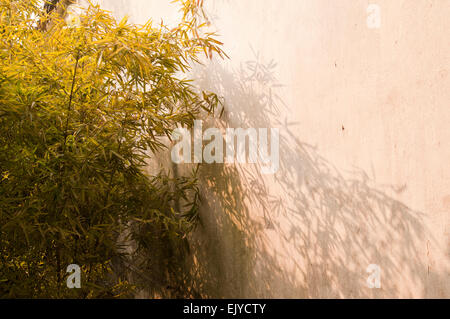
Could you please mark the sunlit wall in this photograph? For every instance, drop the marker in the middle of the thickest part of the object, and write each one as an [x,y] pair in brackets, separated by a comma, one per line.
[361,96]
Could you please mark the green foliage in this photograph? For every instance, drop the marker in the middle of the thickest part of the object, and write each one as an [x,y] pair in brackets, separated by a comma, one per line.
[82,110]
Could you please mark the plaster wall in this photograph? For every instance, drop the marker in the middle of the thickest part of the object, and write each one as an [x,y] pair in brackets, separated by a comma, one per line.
[364,173]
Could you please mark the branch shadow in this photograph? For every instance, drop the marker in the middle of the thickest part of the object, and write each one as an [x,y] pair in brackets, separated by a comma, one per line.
[309,231]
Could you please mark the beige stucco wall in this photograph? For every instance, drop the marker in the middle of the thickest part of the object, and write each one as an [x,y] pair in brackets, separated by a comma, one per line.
[364,172]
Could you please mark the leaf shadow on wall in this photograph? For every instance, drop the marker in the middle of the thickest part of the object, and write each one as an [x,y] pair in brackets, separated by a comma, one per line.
[307,231]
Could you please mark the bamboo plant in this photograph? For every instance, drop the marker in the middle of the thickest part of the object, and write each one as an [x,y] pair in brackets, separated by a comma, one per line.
[83,108]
